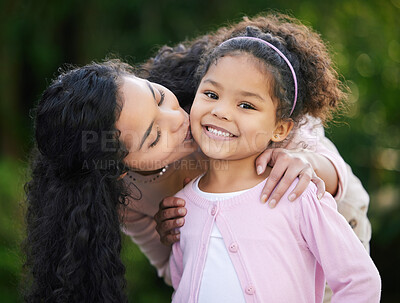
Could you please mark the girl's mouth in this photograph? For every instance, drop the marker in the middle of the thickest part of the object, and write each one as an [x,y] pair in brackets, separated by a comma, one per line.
[218,133]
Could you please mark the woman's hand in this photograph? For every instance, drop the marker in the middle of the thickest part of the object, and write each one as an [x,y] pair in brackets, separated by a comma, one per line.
[286,165]
[170,216]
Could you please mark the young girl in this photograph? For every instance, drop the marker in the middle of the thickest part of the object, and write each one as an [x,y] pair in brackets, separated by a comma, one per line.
[252,91]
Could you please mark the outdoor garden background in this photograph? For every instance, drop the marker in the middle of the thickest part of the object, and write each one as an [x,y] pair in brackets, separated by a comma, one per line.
[37,37]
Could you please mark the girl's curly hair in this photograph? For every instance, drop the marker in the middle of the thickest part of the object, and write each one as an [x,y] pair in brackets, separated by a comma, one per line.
[73,239]
[323,93]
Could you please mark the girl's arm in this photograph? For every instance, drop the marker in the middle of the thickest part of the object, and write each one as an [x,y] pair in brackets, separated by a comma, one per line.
[176,265]
[348,269]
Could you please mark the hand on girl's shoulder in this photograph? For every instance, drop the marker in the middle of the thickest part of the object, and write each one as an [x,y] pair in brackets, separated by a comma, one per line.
[310,195]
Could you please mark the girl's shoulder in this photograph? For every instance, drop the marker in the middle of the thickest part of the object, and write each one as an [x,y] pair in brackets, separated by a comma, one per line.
[309,199]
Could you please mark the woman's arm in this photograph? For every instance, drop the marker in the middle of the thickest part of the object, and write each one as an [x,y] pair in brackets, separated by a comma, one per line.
[310,156]
[324,169]
[141,228]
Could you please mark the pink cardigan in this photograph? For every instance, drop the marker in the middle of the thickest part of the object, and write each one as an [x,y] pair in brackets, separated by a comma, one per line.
[280,255]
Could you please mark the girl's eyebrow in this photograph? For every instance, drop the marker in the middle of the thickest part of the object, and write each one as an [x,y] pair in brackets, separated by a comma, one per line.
[250,94]
[241,92]
[216,84]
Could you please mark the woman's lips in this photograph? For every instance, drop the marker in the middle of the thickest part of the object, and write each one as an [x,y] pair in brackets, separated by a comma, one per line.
[188,134]
[188,139]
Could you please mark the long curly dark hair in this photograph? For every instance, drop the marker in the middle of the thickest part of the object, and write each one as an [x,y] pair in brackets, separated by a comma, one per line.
[75,193]
[322,91]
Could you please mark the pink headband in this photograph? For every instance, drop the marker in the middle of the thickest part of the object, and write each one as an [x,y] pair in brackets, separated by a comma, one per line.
[282,56]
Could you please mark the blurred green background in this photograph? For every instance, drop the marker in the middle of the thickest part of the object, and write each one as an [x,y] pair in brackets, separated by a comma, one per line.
[36,37]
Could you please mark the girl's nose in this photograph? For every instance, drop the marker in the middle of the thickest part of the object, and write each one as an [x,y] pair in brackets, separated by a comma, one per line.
[221,110]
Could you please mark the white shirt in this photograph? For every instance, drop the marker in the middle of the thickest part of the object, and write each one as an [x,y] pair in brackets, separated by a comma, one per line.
[220,282]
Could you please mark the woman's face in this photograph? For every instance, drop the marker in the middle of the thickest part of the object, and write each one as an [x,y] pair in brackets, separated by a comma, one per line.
[154,128]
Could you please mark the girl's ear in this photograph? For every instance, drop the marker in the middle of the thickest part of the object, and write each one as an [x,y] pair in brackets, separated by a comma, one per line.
[282,131]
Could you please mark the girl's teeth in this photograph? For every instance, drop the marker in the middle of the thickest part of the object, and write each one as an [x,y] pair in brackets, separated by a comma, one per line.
[218,132]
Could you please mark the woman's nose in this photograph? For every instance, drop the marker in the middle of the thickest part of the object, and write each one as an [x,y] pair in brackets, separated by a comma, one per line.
[173,119]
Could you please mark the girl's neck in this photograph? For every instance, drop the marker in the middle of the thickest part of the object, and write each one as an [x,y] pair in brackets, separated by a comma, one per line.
[231,175]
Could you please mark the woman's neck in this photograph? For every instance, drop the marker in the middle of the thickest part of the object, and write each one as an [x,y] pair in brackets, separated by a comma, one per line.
[231,175]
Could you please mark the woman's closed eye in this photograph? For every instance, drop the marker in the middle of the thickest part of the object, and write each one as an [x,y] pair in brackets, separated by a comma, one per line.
[157,138]
[162,97]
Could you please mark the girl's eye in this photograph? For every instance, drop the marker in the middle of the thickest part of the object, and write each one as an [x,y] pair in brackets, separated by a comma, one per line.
[211,95]
[246,106]
[157,138]
[162,94]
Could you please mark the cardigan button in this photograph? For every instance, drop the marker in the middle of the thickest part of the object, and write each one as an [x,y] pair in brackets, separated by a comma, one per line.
[233,247]
[213,210]
[250,290]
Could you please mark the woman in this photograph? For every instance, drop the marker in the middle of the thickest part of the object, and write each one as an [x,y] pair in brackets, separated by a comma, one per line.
[92,123]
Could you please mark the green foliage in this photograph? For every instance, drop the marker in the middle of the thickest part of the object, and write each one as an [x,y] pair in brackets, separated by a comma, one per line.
[11,228]
[37,37]
[143,283]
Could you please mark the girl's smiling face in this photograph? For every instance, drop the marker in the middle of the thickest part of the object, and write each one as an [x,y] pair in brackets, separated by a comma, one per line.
[154,128]
[233,115]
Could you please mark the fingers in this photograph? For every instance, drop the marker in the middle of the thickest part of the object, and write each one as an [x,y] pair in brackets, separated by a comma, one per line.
[171,202]
[274,177]
[305,177]
[169,218]
[170,213]
[286,181]
[170,208]
[320,186]
[170,239]
[263,160]
[287,165]
[168,231]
